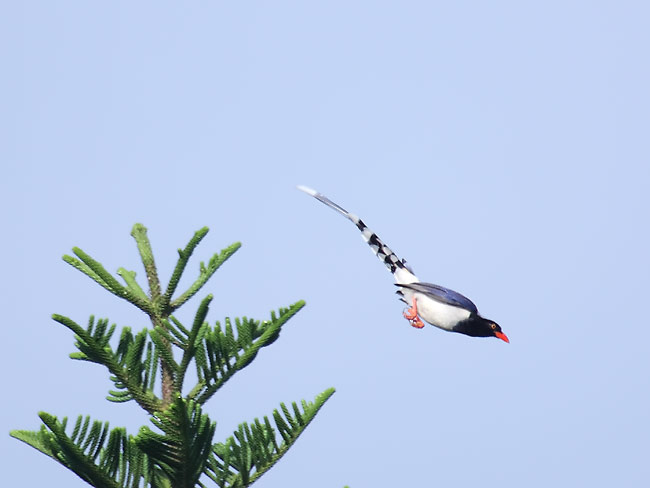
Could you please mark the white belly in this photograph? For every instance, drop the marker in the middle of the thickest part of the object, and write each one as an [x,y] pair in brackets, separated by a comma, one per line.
[439,314]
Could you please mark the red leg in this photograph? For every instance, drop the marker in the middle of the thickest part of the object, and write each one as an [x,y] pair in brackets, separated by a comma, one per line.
[411,314]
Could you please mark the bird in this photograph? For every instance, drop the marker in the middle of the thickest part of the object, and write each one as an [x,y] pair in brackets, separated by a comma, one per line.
[434,304]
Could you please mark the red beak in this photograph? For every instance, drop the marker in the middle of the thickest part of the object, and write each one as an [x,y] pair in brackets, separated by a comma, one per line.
[502,336]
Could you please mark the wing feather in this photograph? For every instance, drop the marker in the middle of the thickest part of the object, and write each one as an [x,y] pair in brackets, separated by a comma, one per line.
[441,294]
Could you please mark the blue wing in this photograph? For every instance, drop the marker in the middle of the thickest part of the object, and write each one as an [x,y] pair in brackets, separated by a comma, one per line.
[441,294]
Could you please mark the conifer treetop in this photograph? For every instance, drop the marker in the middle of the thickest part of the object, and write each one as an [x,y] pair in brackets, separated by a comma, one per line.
[179,452]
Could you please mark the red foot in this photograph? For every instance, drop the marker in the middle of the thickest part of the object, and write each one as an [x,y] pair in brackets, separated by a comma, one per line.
[411,314]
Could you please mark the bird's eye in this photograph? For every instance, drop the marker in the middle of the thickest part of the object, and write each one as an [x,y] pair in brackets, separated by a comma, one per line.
[494,326]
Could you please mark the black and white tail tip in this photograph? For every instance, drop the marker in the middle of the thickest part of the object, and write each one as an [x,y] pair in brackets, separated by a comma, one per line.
[397,266]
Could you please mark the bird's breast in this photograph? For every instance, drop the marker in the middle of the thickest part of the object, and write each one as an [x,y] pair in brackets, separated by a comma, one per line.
[438,313]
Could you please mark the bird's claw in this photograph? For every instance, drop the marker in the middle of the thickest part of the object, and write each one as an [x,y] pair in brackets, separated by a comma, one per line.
[416,322]
[411,314]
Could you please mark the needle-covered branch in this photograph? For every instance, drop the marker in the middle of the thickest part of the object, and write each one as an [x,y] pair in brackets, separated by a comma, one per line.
[183,448]
[183,257]
[189,345]
[101,457]
[139,233]
[78,454]
[254,448]
[220,353]
[93,345]
[87,265]
[205,273]
[132,284]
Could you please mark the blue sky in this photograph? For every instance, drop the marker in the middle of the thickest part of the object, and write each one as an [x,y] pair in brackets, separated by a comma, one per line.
[501,149]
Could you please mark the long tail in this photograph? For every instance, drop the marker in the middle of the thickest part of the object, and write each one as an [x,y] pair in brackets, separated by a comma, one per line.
[398,267]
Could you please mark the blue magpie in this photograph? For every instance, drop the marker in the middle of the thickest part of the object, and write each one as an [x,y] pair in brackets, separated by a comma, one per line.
[437,305]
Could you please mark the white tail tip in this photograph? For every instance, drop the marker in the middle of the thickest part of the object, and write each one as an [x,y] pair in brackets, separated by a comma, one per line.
[307,190]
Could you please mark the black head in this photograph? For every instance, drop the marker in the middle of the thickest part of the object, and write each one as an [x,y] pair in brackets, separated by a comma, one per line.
[477,326]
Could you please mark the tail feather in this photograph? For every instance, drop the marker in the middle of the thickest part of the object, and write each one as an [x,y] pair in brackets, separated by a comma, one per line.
[398,267]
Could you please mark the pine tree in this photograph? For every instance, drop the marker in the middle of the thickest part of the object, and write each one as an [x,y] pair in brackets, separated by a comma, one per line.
[179,452]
